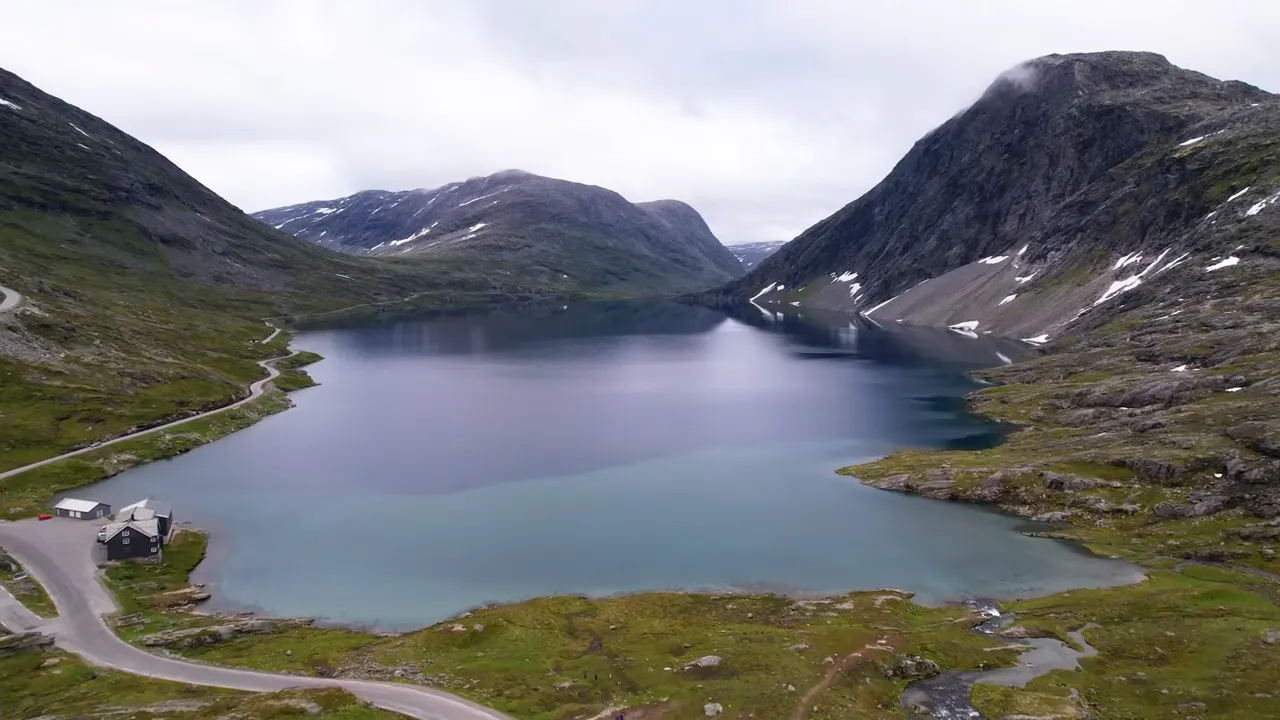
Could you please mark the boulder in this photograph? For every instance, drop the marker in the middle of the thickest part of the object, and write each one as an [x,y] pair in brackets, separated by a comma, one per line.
[712,709]
[897,483]
[1069,483]
[937,489]
[910,667]
[1269,530]
[213,634]
[1260,437]
[1271,637]
[706,661]
[1155,470]
[989,490]
[1052,517]
[178,598]
[24,642]
[1100,505]
[1197,508]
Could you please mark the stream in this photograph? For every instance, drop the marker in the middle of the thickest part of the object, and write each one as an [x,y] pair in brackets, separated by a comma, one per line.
[946,696]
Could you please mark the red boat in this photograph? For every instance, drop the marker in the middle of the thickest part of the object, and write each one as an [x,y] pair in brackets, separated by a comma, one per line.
[43,516]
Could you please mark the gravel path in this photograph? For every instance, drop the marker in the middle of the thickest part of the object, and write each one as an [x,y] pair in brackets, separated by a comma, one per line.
[255,391]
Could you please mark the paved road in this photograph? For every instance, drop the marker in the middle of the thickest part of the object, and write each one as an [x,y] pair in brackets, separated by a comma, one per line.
[11,299]
[57,553]
[15,617]
[255,390]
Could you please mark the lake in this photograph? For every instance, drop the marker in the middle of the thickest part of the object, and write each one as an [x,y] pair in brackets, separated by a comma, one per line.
[599,448]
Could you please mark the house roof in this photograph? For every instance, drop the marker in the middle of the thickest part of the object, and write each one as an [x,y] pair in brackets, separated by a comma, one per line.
[134,512]
[77,505]
[150,528]
[159,507]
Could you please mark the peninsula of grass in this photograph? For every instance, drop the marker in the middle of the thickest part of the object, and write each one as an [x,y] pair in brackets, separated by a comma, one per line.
[29,492]
[26,590]
[291,376]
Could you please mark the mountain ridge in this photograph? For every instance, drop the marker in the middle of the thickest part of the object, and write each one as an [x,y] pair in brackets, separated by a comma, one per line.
[556,228]
[1067,156]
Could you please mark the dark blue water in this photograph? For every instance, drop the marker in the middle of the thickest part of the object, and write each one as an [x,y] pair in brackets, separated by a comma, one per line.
[599,448]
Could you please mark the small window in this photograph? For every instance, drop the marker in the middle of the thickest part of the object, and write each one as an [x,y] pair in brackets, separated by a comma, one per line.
[75,514]
[155,549]
[124,533]
[125,541]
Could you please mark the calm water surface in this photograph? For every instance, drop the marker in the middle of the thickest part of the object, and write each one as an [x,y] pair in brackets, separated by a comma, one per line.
[599,448]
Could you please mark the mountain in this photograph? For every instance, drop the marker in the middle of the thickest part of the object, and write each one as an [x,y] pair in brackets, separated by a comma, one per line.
[1123,214]
[583,234]
[1072,180]
[143,292]
[752,254]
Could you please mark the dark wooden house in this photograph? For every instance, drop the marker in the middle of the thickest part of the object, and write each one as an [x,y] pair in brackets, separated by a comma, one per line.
[133,539]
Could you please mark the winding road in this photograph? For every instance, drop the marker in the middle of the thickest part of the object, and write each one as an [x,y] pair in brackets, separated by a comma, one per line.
[58,554]
[12,298]
[255,391]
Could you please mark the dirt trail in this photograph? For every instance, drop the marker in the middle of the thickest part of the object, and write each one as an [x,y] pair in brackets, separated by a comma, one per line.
[846,663]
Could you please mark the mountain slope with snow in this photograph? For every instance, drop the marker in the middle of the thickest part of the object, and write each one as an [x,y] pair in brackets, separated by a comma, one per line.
[590,236]
[752,254]
[1073,182]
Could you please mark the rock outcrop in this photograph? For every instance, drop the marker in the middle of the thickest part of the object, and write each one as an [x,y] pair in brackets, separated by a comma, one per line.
[213,634]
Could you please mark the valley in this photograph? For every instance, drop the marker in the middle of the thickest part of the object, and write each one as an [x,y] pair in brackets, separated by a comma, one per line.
[1062,304]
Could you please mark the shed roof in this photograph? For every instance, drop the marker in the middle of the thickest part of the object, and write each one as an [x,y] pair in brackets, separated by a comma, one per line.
[77,505]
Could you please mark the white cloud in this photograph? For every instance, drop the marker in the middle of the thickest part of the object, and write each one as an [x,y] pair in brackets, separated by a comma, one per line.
[766,115]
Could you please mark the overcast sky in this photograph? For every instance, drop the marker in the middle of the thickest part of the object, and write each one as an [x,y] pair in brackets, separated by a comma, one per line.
[765,115]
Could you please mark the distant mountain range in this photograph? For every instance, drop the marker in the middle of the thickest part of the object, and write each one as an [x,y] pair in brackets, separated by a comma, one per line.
[751,254]
[557,230]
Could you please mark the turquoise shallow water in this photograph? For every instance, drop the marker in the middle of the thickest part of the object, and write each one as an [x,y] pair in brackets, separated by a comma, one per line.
[599,449]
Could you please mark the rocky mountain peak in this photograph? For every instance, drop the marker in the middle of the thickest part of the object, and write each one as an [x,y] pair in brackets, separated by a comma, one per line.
[1040,195]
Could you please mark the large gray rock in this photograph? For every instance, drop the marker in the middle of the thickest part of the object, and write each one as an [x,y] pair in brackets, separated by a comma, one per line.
[24,642]
[706,661]
[910,667]
[1069,483]
[712,709]
[1260,437]
[937,484]
[989,490]
[897,483]
[213,634]
[1197,508]
[1155,470]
